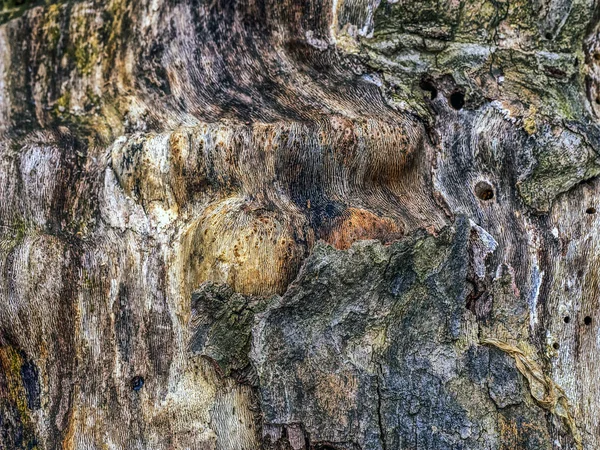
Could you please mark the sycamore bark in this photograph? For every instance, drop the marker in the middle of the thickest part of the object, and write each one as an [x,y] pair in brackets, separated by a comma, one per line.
[299,224]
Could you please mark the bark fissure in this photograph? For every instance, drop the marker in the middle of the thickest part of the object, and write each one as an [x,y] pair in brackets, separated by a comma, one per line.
[380,420]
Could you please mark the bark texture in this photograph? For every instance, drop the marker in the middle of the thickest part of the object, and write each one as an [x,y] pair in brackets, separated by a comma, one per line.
[299,224]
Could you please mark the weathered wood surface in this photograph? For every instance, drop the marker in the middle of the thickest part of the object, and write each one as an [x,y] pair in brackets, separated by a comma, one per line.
[325,224]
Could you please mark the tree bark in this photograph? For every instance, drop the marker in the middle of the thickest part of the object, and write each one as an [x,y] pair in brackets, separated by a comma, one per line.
[299,224]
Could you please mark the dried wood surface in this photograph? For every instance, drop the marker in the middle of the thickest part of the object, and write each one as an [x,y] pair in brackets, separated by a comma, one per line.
[299,224]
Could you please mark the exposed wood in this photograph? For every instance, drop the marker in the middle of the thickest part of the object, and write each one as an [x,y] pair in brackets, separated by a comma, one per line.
[322,224]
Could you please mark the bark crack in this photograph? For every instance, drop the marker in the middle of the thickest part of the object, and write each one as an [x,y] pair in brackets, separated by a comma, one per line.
[382,436]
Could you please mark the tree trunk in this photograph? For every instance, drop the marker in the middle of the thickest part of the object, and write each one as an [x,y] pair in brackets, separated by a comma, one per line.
[300,224]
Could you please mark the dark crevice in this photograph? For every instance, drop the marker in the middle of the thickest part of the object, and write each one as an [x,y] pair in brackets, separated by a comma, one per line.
[382,435]
[427,85]
[137,383]
[484,191]
[31,383]
[457,100]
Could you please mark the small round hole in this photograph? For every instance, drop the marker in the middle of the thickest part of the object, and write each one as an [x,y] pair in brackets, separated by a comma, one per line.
[484,191]
[136,383]
[457,100]
[427,85]
[567,319]
[587,320]
[556,346]
[591,210]
[549,36]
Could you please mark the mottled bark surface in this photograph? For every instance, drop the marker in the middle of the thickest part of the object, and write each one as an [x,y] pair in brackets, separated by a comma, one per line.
[299,224]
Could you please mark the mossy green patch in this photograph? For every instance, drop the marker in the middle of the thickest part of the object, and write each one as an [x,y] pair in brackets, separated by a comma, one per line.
[11,9]
[222,325]
[84,46]
[560,165]
[11,362]
[51,26]
[101,122]
[509,50]
[429,254]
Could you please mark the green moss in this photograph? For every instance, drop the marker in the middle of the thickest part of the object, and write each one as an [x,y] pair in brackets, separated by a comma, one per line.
[560,166]
[14,234]
[52,26]
[20,229]
[86,55]
[225,332]
[114,26]
[11,9]
[101,122]
[575,28]
[474,41]
[83,48]
[11,361]
[427,18]
[429,254]
[62,105]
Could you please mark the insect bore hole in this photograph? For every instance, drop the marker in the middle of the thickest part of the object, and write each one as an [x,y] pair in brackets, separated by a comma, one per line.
[428,86]
[457,100]
[567,319]
[591,210]
[556,346]
[587,320]
[484,191]
[137,383]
